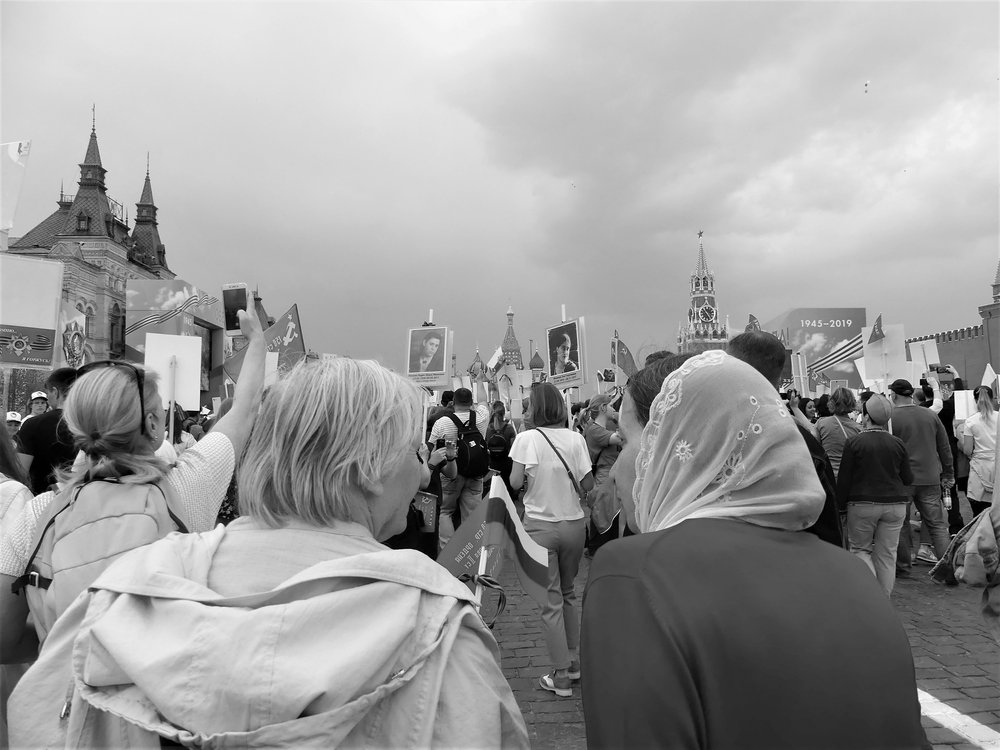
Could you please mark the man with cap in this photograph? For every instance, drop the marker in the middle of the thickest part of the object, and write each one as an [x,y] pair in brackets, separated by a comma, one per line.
[37,404]
[461,493]
[46,438]
[874,487]
[931,463]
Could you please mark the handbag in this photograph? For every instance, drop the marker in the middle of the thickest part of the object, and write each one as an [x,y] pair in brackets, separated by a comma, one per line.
[576,485]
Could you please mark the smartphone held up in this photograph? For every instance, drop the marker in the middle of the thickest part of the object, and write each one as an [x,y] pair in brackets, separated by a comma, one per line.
[234,299]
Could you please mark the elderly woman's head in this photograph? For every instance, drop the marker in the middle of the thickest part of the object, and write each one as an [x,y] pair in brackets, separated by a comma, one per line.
[716,441]
[335,440]
[117,419]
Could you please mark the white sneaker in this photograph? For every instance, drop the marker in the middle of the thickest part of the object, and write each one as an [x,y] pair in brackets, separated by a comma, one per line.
[926,554]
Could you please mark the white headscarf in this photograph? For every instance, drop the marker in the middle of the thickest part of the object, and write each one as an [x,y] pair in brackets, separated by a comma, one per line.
[720,443]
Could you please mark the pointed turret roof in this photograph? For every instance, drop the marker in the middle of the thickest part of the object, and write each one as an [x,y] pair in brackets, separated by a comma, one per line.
[510,349]
[702,269]
[147,248]
[537,363]
[91,215]
[147,191]
[93,157]
[477,365]
[996,283]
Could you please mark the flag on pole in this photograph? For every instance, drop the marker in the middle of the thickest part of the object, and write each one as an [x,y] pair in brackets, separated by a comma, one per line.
[284,338]
[495,359]
[621,357]
[877,333]
[495,528]
[753,324]
[13,162]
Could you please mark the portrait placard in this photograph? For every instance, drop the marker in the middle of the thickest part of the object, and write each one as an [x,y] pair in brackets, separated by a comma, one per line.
[427,356]
[566,362]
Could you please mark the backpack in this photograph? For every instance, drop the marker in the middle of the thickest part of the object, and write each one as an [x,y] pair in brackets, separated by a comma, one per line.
[497,442]
[82,532]
[472,459]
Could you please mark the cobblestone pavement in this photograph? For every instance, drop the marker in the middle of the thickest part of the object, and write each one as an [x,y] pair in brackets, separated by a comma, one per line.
[956,661]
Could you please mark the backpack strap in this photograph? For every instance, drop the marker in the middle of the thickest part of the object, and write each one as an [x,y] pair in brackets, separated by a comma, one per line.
[32,577]
[462,426]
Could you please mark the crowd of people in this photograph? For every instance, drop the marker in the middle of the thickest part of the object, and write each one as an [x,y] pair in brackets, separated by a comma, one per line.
[272,581]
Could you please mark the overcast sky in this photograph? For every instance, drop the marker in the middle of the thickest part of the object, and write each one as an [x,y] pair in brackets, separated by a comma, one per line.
[371,161]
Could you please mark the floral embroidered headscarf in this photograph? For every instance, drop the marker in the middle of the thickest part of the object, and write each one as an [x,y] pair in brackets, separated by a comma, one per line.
[720,443]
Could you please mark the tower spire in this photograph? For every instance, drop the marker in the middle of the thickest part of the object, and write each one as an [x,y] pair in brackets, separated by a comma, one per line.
[93,118]
[702,269]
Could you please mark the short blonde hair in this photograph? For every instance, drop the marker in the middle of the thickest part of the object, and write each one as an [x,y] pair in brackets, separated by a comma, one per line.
[102,412]
[328,426]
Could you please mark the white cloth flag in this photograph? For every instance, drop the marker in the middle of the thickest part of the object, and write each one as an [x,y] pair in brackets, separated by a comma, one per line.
[989,376]
[13,160]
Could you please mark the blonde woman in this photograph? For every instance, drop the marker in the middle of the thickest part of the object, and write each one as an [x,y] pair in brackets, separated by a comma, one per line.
[116,416]
[293,626]
[978,441]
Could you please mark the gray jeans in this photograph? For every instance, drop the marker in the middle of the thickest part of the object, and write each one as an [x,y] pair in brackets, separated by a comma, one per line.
[560,619]
[927,498]
[872,535]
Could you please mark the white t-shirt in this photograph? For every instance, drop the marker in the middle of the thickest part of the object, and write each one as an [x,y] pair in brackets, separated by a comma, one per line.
[200,479]
[445,429]
[551,495]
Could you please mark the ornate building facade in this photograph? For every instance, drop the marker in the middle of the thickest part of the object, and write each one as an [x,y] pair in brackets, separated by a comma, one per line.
[704,329]
[90,234]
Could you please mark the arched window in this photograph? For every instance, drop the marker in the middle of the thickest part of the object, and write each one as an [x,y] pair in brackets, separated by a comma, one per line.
[90,321]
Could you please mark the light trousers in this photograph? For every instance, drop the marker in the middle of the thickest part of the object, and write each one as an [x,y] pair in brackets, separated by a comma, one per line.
[873,534]
[560,616]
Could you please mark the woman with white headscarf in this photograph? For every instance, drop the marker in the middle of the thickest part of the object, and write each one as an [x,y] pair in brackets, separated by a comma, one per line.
[720,625]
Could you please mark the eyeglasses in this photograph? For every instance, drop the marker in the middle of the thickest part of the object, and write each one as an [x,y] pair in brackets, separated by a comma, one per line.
[140,381]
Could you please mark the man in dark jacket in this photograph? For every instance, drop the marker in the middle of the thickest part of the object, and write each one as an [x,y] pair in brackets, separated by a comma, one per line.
[931,462]
[46,438]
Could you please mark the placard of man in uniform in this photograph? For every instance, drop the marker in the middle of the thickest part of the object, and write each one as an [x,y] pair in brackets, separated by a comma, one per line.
[427,350]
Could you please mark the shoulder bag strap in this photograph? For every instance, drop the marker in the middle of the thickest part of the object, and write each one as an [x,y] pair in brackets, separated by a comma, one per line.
[841,426]
[576,485]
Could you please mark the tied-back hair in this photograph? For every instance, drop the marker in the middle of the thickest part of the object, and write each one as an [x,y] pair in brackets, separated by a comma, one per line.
[984,402]
[547,406]
[497,417]
[602,399]
[102,412]
[328,429]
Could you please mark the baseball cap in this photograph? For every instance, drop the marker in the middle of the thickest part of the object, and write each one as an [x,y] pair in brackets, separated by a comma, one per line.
[13,416]
[39,394]
[901,387]
[878,409]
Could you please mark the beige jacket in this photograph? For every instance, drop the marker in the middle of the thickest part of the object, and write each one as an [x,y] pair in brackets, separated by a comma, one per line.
[374,648]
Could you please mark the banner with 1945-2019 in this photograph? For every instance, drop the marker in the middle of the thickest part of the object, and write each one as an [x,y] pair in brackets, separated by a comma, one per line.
[827,337]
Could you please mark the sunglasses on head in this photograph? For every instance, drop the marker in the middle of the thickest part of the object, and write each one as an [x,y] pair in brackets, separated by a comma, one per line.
[140,381]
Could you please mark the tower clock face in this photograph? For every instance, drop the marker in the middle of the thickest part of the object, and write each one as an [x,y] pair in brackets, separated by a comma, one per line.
[707,313]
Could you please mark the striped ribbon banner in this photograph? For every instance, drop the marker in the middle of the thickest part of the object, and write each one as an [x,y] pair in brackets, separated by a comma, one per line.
[845,351]
[163,317]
